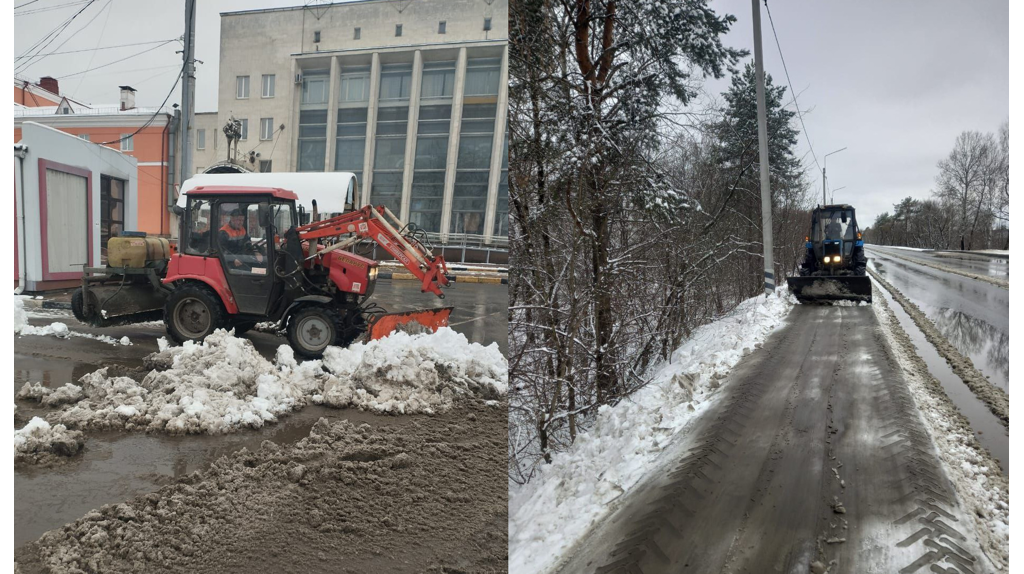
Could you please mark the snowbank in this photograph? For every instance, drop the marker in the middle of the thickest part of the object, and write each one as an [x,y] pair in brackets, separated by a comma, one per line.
[569,496]
[223,384]
[37,441]
[413,373]
[55,329]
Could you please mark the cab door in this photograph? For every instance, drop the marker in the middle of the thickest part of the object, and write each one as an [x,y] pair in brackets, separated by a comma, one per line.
[242,247]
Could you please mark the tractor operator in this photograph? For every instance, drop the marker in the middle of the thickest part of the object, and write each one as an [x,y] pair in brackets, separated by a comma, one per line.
[236,243]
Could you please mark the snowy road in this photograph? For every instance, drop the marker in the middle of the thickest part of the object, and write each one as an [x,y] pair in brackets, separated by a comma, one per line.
[972,315]
[815,453]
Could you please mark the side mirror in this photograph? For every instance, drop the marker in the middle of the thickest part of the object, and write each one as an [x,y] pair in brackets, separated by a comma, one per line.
[178,210]
[263,213]
[844,217]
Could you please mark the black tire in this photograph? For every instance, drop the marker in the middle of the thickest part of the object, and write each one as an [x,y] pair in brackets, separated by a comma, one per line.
[313,328]
[78,305]
[188,323]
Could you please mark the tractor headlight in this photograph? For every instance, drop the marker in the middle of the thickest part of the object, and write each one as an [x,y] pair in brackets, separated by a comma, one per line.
[835,259]
[373,274]
[827,259]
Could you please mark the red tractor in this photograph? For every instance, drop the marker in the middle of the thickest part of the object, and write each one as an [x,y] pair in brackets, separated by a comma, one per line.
[244,258]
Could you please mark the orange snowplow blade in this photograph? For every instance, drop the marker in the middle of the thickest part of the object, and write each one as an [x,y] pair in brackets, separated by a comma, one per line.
[421,321]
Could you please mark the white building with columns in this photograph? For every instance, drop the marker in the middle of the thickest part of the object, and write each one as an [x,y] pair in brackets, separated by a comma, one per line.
[411,95]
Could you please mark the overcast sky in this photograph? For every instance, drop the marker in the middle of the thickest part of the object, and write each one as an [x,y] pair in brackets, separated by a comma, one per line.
[893,81]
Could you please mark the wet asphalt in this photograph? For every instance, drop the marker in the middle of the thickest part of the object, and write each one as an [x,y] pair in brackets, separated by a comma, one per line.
[973,315]
[972,263]
[118,466]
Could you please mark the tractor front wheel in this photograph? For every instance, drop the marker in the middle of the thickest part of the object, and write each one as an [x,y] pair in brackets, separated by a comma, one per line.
[313,328]
[192,312]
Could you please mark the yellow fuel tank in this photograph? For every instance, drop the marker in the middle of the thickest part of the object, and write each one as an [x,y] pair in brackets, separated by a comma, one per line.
[136,251]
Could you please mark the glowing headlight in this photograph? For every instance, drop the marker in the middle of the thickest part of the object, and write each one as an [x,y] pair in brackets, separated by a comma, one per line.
[827,259]
[835,259]
[373,274]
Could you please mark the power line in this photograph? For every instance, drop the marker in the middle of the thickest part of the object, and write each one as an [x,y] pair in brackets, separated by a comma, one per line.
[798,113]
[26,4]
[110,47]
[155,114]
[49,38]
[114,62]
[50,8]
[98,40]
[43,56]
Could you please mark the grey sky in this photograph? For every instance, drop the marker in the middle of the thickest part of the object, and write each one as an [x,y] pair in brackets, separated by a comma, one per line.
[893,81]
[128,22]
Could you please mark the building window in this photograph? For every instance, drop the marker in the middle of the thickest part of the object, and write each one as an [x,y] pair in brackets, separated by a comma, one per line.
[241,87]
[111,211]
[266,129]
[482,75]
[266,165]
[487,24]
[395,81]
[358,33]
[476,137]
[389,157]
[268,85]
[350,143]
[398,30]
[438,80]
[316,37]
[126,142]
[441,26]
[200,139]
[355,85]
[84,137]
[427,199]
[314,90]
[245,129]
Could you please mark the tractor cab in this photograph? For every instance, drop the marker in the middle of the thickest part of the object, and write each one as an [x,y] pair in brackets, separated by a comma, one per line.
[834,232]
[237,236]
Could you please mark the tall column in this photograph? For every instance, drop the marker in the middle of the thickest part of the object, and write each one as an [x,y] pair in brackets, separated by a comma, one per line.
[371,128]
[451,163]
[411,131]
[332,115]
[293,128]
[496,148]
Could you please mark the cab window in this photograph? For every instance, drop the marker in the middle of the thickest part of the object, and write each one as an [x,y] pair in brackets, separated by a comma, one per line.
[198,228]
[241,240]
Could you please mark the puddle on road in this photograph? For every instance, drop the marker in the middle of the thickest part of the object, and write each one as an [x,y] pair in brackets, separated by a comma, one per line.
[989,431]
[987,345]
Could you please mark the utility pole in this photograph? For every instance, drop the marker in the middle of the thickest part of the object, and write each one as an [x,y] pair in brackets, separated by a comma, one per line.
[824,199]
[188,90]
[762,139]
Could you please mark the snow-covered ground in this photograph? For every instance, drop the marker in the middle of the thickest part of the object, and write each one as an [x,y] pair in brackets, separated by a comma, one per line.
[569,496]
[902,247]
[55,329]
[223,384]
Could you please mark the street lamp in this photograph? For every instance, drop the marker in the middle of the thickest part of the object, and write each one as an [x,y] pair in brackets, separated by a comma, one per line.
[834,193]
[823,198]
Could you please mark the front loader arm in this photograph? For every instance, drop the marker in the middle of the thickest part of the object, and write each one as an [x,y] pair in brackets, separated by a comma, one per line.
[373,223]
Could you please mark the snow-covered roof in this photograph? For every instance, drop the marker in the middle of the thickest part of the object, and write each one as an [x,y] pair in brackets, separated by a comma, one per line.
[24,111]
[328,189]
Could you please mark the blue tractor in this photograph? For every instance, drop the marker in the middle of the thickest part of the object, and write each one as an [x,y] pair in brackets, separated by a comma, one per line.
[834,267]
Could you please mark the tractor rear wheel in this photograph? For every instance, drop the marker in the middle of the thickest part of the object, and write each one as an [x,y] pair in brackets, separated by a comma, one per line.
[192,312]
[313,328]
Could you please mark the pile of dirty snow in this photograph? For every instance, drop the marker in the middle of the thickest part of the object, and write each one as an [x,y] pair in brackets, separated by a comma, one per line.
[413,373]
[223,384]
[55,329]
[39,442]
[575,491]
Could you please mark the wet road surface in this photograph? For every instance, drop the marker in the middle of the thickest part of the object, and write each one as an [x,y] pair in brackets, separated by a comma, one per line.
[118,466]
[820,415]
[972,315]
[972,263]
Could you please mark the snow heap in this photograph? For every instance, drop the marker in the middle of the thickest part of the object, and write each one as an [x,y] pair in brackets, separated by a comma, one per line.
[69,393]
[38,440]
[413,373]
[223,384]
[573,493]
[56,329]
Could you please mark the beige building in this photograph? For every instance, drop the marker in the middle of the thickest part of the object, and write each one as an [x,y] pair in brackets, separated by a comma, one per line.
[411,95]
